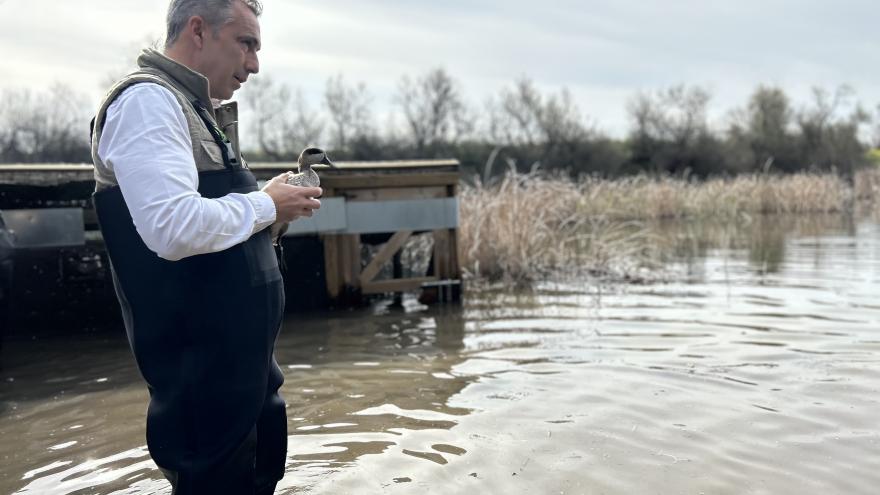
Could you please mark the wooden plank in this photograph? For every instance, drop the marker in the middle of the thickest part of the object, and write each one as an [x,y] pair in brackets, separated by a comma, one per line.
[331,263]
[332,266]
[47,167]
[399,285]
[394,193]
[344,261]
[454,269]
[351,260]
[441,253]
[363,165]
[392,164]
[47,179]
[355,253]
[366,181]
[384,255]
[351,173]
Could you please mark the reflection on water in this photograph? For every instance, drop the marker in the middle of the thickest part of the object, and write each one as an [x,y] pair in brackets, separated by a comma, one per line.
[755,374]
[762,238]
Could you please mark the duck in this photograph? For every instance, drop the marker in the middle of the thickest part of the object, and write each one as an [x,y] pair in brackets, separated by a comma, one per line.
[306,177]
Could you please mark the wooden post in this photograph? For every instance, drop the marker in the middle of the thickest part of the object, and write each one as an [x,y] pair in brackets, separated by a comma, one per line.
[351,267]
[332,266]
[454,267]
[368,183]
[441,254]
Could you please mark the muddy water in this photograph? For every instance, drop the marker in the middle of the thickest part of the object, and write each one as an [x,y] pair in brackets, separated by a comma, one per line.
[757,371]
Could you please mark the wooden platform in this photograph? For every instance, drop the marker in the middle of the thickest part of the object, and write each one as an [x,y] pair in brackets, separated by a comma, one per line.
[389,200]
[399,199]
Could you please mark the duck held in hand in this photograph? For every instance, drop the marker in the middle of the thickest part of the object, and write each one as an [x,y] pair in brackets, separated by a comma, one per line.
[306,176]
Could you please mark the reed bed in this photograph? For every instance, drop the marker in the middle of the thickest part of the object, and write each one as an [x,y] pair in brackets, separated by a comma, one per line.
[526,228]
[645,197]
[867,189]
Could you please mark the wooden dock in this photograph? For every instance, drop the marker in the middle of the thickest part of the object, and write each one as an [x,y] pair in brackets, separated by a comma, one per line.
[398,199]
[364,202]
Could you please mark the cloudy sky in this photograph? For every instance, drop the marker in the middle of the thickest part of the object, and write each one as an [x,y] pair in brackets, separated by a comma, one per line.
[603,51]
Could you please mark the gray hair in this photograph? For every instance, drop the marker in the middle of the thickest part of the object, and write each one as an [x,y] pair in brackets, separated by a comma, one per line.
[216,14]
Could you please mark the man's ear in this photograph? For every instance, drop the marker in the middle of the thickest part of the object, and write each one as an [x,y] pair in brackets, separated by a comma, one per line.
[197,28]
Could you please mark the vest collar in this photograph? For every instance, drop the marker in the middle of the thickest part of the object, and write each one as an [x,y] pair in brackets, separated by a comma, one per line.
[189,80]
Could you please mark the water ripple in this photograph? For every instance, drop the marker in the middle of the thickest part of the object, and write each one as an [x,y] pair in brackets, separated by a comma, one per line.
[755,375]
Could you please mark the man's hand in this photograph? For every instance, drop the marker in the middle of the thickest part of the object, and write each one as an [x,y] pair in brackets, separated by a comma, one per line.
[292,202]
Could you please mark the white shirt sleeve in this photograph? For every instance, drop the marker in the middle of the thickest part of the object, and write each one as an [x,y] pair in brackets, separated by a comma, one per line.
[146,142]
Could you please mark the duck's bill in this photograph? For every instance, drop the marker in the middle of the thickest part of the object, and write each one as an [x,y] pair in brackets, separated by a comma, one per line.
[328,162]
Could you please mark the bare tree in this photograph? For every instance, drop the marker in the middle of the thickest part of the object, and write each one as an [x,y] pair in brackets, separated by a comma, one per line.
[525,117]
[545,130]
[829,140]
[49,126]
[677,114]
[15,107]
[516,119]
[283,123]
[671,132]
[562,122]
[349,109]
[434,109]
[761,135]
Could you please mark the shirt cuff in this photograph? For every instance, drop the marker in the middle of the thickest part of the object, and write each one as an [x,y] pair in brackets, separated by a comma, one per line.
[264,208]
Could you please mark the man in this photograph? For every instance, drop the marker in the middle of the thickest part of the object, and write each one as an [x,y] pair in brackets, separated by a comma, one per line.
[193,266]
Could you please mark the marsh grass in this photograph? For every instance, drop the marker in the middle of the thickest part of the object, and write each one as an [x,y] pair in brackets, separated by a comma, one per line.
[867,191]
[526,228]
[644,197]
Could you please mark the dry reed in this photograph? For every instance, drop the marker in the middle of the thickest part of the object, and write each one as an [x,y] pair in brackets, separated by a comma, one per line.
[654,198]
[867,187]
[526,228]
[867,192]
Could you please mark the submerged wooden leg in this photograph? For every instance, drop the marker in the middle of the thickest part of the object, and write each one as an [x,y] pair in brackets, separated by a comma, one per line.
[332,273]
[350,253]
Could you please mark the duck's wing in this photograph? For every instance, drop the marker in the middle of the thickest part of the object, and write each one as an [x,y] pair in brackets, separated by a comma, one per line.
[305,179]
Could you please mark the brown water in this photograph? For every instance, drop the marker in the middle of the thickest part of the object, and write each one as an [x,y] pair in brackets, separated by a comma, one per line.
[757,372]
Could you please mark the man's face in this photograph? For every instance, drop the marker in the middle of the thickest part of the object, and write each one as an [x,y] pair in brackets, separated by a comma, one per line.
[230,56]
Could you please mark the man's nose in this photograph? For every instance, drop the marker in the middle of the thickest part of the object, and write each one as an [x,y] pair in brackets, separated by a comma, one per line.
[252,64]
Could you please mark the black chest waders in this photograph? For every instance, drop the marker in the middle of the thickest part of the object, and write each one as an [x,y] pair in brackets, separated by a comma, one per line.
[203,332]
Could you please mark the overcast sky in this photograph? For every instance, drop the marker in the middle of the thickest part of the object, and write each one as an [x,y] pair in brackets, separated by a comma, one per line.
[603,51]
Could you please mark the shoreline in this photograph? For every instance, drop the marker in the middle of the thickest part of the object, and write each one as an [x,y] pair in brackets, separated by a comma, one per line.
[524,228]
